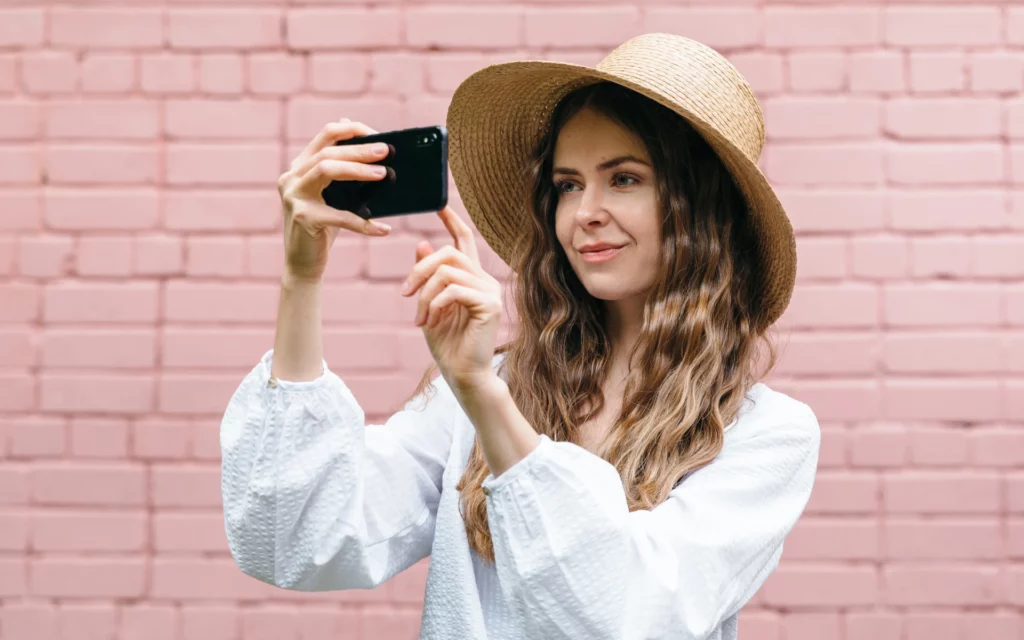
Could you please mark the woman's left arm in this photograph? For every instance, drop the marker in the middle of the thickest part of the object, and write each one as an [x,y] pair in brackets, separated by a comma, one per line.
[576,563]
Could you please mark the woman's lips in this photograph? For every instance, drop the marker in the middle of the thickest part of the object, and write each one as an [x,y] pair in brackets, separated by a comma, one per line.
[603,255]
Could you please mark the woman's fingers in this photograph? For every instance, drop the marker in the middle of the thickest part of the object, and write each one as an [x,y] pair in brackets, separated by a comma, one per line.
[331,133]
[360,153]
[472,299]
[444,276]
[461,233]
[313,218]
[426,266]
[321,174]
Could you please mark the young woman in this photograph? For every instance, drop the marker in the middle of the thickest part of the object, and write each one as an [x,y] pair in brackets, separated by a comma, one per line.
[615,470]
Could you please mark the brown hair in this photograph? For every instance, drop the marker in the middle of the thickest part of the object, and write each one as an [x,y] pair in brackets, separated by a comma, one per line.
[697,353]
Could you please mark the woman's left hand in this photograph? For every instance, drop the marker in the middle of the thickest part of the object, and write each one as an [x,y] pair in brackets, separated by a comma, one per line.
[459,306]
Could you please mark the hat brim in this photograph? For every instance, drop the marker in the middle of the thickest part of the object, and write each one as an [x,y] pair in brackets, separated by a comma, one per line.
[498,115]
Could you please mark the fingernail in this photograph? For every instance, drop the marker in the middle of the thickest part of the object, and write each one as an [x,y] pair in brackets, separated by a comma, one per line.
[380,170]
[380,147]
[405,289]
[380,226]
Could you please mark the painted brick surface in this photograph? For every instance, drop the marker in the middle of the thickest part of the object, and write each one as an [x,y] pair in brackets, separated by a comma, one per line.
[140,254]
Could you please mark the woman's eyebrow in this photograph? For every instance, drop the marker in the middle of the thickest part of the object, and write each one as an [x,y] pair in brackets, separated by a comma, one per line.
[604,166]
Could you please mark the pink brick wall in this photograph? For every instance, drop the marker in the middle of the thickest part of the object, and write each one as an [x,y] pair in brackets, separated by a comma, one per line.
[139,252]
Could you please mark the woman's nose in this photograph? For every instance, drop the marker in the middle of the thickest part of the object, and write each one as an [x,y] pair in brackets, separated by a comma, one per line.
[591,209]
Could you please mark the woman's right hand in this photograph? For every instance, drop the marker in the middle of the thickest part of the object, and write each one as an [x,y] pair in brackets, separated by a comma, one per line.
[310,226]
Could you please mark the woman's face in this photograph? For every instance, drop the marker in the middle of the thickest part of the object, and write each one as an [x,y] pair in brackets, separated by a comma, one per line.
[606,194]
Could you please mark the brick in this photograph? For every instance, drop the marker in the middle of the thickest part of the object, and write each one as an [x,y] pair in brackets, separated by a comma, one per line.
[20,120]
[221,73]
[103,28]
[834,305]
[8,73]
[834,539]
[107,119]
[879,257]
[932,352]
[937,72]
[829,354]
[307,116]
[217,164]
[17,348]
[215,257]
[941,305]
[91,164]
[941,585]
[762,71]
[17,392]
[196,394]
[877,625]
[808,626]
[934,209]
[104,256]
[766,625]
[185,486]
[995,72]
[131,302]
[997,447]
[877,72]
[808,586]
[942,256]
[89,531]
[158,255]
[946,164]
[1015,493]
[14,531]
[12,578]
[939,446]
[467,27]
[248,28]
[846,493]
[222,210]
[1014,305]
[941,492]
[399,73]
[822,258]
[191,532]
[168,73]
[210,622]
[834,210]
[22,27]
[824,163]
[385,623]
[109,73]
[961,624]
[818,71]
[822,118]
[204,118]
[326,75]
[99,438]
[943,399]
[799,27]
[49,72]
[146,621]
[74,209]
[96,393]
[595,26]
[360,302]
[944,118]
[37,437]
[94,484]
[879,445]
[1017,163]
[216,302]
[275,73]
[21,302]
[1015,25]
[943,539]
[20,165]
[197,579]
[93,577]
[942,26]
[717,27]
[45,256]
[161,438]
[314,28]
[218,348]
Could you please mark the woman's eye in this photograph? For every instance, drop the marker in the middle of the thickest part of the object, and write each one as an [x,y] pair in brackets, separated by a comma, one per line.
[563,186]
[620,177]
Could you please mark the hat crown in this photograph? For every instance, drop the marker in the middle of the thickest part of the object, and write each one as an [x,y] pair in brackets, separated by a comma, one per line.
[695,76]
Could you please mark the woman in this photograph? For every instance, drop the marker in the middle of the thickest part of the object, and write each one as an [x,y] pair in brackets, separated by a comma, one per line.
[615,470]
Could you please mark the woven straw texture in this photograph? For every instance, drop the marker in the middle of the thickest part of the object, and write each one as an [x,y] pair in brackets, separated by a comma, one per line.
[498,114]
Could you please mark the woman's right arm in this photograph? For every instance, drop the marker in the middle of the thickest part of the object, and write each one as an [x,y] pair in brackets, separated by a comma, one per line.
[313,498]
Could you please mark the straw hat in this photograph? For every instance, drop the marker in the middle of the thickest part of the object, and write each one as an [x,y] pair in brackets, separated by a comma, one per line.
[499,113]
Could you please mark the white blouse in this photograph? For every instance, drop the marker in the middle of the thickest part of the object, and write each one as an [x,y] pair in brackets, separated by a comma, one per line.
[316,500]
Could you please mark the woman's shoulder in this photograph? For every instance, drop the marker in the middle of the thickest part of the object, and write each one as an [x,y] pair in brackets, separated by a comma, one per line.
[768,411]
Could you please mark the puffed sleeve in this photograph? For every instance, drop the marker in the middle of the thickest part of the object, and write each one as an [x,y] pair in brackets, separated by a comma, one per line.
[316,500]
[574,562]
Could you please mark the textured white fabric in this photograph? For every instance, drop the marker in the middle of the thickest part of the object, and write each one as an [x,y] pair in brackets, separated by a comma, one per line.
[315,500]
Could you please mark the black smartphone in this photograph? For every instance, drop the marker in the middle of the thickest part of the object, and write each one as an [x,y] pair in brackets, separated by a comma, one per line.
[417,180]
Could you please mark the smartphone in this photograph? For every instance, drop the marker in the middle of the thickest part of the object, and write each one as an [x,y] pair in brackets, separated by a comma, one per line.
[417,180]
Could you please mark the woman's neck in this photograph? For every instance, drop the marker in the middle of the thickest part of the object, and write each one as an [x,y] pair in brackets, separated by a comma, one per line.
[625,318]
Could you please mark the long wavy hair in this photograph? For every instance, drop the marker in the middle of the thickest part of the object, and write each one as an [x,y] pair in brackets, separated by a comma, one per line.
[698,351]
